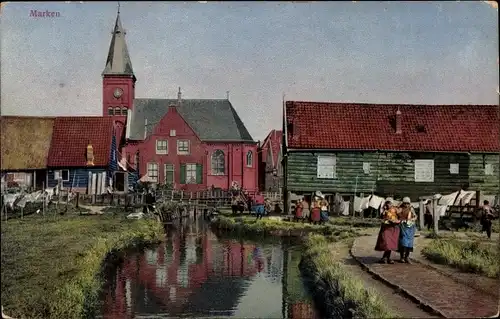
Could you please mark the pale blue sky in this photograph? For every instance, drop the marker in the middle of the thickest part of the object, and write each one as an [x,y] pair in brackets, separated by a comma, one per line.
[375,52]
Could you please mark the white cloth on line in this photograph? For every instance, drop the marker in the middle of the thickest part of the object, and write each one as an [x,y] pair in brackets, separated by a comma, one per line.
[375,201]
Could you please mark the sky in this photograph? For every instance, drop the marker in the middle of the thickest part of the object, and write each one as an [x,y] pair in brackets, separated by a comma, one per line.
[369,52]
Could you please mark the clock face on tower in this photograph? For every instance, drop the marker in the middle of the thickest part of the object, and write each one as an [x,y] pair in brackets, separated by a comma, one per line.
[117,93]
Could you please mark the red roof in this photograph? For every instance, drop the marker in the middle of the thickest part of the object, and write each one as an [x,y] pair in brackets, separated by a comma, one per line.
[273,141]
[71,136]
[427,128]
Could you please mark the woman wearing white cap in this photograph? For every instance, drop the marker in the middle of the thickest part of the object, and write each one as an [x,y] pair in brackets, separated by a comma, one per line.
[407,217]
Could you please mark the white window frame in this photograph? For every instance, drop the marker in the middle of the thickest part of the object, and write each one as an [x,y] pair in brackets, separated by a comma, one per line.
[367,168]
[152,166]
[218,163]
[326,166]
[161,150]
[190,170]
[167,169]
[173,133]
[179,144]
[424,170]
[454,168]
[489,169]
[59,175]
[249,159]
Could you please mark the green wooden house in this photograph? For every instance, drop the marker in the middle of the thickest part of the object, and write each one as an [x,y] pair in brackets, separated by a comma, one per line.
[390,150]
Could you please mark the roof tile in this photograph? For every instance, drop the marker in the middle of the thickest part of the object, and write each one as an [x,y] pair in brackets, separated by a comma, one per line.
[438,128]
[71,136]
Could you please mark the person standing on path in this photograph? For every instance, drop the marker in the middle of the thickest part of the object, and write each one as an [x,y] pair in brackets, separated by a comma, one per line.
[388,236]
[428,219]
[259,205]
[407,227]
[487,218]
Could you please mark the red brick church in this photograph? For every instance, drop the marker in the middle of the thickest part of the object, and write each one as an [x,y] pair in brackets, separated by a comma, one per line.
[191,144]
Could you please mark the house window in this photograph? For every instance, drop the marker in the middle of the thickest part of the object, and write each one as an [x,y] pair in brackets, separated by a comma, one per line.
[62,174]
[110,111]
[424,170]
[488,169]
[161,147]
[454,168]
[172,133]
[218,163]
[183,147]
[190,173]
[153,172]
[249,159]
[124,111]
[327,166]
[169,174]
[366,168]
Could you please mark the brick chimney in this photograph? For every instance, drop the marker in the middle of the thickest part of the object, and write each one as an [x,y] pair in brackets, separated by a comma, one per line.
[179,97]
[399,124]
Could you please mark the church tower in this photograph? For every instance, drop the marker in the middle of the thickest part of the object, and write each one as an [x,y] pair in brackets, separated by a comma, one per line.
[118,84]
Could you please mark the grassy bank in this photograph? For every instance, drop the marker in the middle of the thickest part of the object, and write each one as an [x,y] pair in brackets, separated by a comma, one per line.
[248,225]
[341,294]
[51,268]
[468,256]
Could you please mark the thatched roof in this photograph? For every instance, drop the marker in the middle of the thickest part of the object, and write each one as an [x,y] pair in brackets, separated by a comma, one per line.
[25,142]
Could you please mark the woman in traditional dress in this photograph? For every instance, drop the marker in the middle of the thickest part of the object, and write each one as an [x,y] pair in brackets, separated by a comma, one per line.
[316,211]
[324,210]
[298,210]
[306,213]
[407,227]
[388,237]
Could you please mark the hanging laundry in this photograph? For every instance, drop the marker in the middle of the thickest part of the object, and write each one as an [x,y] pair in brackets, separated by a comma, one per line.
[360,204]
[345,208]
[448,200]
[375,201]
[441,210]
[468,196]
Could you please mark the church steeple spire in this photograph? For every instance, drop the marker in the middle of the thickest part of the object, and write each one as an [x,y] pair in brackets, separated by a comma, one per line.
[118,61]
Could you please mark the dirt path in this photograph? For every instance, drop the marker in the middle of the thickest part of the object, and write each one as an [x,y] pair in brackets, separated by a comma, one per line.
[397,303]
[435,289]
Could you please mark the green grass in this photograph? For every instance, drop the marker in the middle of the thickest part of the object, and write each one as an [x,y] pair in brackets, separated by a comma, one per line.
[468,256]
[51,268]
[343,294]
[250,225]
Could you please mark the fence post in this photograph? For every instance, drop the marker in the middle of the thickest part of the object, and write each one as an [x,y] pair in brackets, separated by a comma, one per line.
[435,214]
[421,208]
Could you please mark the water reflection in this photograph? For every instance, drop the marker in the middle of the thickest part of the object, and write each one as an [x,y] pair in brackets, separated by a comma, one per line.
[195,274]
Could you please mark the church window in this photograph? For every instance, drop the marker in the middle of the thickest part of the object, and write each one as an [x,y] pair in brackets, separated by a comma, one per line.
[110,110]
[249,159]
[124,110]
[218,163]
[117,110]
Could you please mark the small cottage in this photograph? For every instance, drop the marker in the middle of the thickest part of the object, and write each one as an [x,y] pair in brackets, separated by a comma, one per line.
[83,154]
[270,156]
[390,150]
[25,142]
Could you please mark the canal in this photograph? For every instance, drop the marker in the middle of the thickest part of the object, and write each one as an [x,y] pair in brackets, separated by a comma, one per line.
[196,273]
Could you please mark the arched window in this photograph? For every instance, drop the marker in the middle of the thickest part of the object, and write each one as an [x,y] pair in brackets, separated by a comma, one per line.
[249,159]
[218,163]
[117,110]
[110,110]
[124,110]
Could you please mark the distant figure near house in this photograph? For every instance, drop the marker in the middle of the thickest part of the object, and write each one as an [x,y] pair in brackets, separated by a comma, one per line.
[487,218]
[388,236]
[259,205]
[428,218]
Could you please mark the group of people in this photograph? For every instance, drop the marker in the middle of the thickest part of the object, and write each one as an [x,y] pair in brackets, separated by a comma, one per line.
[258,203]
[397,231]
[316,213]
